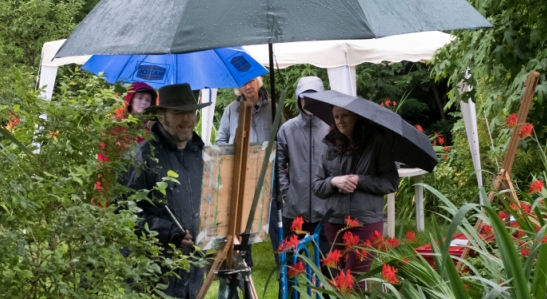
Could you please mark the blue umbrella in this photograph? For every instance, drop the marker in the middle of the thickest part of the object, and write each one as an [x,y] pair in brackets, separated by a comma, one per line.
[218,68]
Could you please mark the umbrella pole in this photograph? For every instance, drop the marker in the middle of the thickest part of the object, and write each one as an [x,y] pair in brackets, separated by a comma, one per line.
[283,281]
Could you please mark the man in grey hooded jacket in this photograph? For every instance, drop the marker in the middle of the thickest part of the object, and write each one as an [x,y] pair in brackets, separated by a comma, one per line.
[299,145]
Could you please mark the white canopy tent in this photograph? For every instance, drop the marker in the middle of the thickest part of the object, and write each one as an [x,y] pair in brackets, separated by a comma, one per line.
[339,57]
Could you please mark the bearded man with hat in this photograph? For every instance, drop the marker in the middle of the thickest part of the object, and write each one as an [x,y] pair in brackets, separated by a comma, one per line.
[175,147]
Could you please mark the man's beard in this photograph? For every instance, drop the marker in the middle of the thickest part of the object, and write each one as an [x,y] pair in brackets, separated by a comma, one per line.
[180,137]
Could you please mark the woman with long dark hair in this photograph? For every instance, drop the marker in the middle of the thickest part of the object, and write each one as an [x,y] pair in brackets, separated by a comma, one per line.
[356,171]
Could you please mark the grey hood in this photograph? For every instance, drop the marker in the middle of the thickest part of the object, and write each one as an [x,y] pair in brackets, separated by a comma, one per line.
[310,83]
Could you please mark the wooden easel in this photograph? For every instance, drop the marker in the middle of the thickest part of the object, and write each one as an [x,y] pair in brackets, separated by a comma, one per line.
[226,251]
[503,180]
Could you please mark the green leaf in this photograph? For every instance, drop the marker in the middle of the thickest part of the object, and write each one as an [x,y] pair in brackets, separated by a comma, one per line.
[172,174]
[539,283]
[508,254]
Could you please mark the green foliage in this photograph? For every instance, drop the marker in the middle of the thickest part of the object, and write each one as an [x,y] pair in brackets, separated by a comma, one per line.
[28,24]
[54,243]
[499,60]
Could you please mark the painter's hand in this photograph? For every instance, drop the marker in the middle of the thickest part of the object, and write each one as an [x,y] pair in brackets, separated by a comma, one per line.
[187,241]
[345,183]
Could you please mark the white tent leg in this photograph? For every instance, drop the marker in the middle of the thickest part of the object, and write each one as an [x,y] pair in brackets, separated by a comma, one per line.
[208,114]
[343,79]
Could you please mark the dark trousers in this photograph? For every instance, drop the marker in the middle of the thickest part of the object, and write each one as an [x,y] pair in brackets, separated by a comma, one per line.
[352,262]
[273,229]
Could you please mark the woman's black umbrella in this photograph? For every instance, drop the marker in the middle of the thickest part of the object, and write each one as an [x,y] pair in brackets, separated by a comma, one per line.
[409,145]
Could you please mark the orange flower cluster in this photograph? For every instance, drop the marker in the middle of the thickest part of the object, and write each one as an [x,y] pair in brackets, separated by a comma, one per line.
[388,273]
[351,222]
[526,131]
[439,139]
[410,237]
[388,103]
[511,120]
[290,243]
[419,128]
[536,186]
[344,282]
[350,240]
[13,121]
[296,270]
[296,225]
[332,259]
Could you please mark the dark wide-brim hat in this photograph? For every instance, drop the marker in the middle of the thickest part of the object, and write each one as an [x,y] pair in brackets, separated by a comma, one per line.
[177,97]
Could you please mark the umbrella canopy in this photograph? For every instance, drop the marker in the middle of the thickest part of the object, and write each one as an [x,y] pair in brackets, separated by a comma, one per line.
[409,145]
[172,26]
[218,68]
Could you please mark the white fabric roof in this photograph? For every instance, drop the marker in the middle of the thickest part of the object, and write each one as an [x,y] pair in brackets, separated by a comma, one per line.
[335,53]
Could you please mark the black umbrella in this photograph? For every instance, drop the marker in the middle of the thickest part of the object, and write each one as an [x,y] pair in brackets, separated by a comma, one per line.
[410,146]
[178,26]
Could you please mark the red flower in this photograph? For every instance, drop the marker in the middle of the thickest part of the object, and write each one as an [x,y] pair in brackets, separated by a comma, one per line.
[524,251]
[351,222]
[366,244]
[332,259]
[102,145]
[441,140]
[394,104]
[14,122]
[410,237]
[419,128]
[296,225]
[388,273]
[502,216]
[102,157]
[290,243]
[536,186]
[392,242]
[445,157]
[350,240]
[486,229]
[99,186]
[344,282]
[519,234]
[296,270]
[388,102]
[120,113]
[525,207]
[446,149]
[382,104]
[376,238]
[526,131]
[511,120]
[361,254]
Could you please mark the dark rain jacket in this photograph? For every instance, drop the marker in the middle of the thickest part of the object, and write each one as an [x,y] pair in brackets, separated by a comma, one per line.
[156,158]
[299,150]
[377,176]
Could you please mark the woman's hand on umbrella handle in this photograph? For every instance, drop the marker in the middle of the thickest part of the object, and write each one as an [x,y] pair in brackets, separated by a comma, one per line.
[344,183]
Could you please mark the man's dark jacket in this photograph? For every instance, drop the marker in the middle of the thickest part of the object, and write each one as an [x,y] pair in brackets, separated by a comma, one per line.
[154,159]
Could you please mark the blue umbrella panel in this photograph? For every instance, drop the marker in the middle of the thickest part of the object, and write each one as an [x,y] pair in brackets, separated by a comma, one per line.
[218,68]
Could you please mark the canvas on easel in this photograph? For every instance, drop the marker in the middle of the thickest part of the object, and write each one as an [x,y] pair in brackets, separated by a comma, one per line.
[217,190]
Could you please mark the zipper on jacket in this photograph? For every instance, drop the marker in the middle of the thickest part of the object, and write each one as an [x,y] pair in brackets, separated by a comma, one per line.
[309,164]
